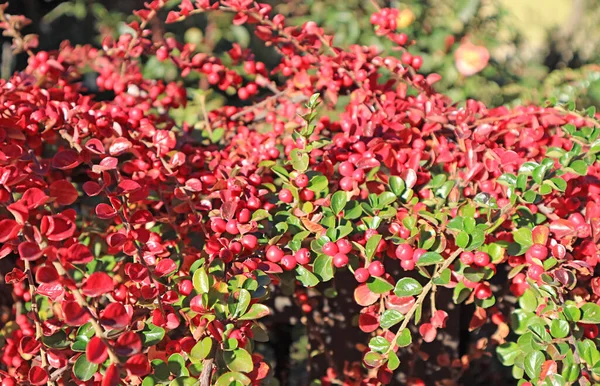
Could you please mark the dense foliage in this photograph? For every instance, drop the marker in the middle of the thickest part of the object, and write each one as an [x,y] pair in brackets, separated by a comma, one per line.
[146,248]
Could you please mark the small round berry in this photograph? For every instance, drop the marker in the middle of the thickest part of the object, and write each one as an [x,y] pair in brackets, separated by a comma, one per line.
[481,259]
[483,291]
[288,262]
[467,258]
[330,248]
[406,57]
[303,256]
[362,275]
[359,175]
[536,251]
[340,260]
[244,216]
[274,254]
[416,62]
[404,252]
[376,268]
[346,169]
[306,308]
[301,181]
[418,253]
[344,246]
[535,271]
[218,225]
[249,242]
[347,184]
[307,195]
[232,227]
[285,195]
[590,331]
[185,287]
[407,265]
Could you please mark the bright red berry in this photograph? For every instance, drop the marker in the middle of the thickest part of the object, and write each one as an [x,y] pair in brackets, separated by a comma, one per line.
[330,248]
[362,275]
[376,268]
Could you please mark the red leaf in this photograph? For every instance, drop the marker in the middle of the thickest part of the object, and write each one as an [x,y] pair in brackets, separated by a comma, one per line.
[66,159]
[96,351]
[19,211]
[9,229]
[193,185]
[549,367]
[38,376]
[428,332]
[105,211]
[561,228]
[79,254]
[30,251]
[479,318]
[92,188]
[438,319]
[74,314]
[14,276]
[368,322]
[46,274]
[64,192]
[95,146]
[165,267]
[33,198]
[115,316]
[119,146]
[97,284]
[128,186]
[137,272]
[138,365]
[111,376]
[128,343]
[364,296]
[29,345]
[540,234]
[141,217]
[108,163]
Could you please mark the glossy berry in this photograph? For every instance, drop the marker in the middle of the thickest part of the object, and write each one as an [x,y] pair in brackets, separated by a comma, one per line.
[330,248]
[303,256]
[535,271]
[404,252]
[407,265]
[467,258]
[481,259]
[301,181]
[340,260]
[376,268]
[347,184]
[274,254]
[344,246]
[361,275]
[288,262]
[536,251]
[285,195]
[483,291]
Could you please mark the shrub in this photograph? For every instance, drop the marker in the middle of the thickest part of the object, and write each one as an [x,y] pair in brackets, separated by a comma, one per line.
[146,248]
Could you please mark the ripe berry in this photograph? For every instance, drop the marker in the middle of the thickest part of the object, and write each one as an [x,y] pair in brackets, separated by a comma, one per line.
[483,291]
[232,227]
[362,275]
[481,259]
[244,216]
[330,249]
[301,181]
[347,184]
[359,175]
[404,252]
[307,195]
[288,262]
[306,308]
[303,256]
[340,260]
[344,246]
[185,287]
[535,271]
[590,331]
[346,169]
[274,254]
[418,253]
[467,258]
[536,251]
[249,242]
[376,268]
[407,265]
[406,57]
[417,62]
[218,225]
[285,195]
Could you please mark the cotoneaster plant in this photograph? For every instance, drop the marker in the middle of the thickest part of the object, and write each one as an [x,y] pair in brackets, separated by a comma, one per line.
[145,249]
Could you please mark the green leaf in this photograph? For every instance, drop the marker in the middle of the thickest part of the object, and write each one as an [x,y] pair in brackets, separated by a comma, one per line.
[161,370]
[57,340]
[523,236]
[371,247]
[508,352]
[393,361]
[373,359]
[579,167]
[528,301]
[385,199]
[201,281]
[379,285]
[83,369]
[404,338]
[430,258]
[559,328]
[176,365]
[307,278]
[256,311]
[339,200]
[533,363]
[379,344]
[152,335]
[591,313]
[238,360]
[318,183]
[462,239]
[183,381]
[232,378]
[201,350]
[390,318]
[572,312]
[397,185]
[407,286]
[323,267]
[300,160]
[243,299]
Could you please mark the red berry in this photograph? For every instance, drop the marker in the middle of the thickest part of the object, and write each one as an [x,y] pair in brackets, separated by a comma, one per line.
[417,62]
[404,252]
[347,184]
[301,181]
[249,242]
[285,195]
[346,169]
[185,287]
[162,54]
[244,216]
[232,227]
[467,258]
[218,225]
[536,251]
[340,260]
[406,57]
[407,265]
[418,253]
[344,246]
[330,248]
[590,331]
[483,291]
[274,254]
[481,259]
[288,262]
[303,256]
[376,268]
[362,275]
[306,308]
[535,271]
[359,175]
[307,195]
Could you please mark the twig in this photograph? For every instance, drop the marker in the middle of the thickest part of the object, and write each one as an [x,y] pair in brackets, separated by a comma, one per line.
[206,375]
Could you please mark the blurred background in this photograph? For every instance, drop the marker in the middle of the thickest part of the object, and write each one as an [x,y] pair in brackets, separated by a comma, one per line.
[499,51]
